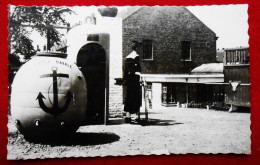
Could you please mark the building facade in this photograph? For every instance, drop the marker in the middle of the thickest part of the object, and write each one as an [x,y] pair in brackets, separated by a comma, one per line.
[172,42]
[237,77]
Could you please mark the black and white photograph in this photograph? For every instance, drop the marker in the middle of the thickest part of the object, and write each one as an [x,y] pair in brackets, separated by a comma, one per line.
[95,81]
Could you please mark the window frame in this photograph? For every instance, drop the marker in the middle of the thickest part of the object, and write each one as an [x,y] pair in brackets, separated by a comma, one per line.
[144,58]
[149,90]
[182,45]
[165,93]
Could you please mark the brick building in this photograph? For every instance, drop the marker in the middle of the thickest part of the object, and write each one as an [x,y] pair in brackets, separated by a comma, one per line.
[173,42]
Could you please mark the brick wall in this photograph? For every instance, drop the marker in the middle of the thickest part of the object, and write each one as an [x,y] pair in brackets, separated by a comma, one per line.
[167,27]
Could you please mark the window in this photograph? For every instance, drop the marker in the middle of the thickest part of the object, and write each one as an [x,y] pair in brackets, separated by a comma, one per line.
[149,90]
[147,49]
[149,86]
[164,94]
[148,94]
[93,37]
[38,48]
[186,50]
[168,94]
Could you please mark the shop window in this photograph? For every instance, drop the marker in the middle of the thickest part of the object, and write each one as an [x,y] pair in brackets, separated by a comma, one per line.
[148,94]
[186,50]
[168,94]
[147,49]
[149,90]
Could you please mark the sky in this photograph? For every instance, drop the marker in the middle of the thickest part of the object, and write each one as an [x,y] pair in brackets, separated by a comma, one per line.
[229,22]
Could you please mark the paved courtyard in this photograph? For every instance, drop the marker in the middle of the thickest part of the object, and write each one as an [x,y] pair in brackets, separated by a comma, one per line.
[168,131]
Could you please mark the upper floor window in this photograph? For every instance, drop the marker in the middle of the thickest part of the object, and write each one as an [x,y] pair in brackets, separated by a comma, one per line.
[186,50]
[147,49]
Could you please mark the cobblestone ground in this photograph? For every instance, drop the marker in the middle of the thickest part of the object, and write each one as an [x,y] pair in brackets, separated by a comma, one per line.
[168,131]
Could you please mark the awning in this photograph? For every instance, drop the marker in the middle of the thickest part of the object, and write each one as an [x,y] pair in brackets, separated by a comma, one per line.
[184,78]
[209,68]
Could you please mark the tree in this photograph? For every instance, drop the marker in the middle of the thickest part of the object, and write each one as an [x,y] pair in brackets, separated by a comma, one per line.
[110,11]
[24,46]
[43,19]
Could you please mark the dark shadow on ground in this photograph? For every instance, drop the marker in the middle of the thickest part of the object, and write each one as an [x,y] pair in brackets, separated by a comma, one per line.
[116,121]
[156,122]
[143,122]
[83,139]
[242,110]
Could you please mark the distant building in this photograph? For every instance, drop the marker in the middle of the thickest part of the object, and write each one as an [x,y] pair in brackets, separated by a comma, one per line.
[220,55]
[236,71]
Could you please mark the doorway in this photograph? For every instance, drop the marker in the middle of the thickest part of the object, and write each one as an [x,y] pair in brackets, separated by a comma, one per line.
[91,60]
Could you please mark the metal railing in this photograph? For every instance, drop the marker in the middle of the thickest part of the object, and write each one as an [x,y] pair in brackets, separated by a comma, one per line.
[236,56]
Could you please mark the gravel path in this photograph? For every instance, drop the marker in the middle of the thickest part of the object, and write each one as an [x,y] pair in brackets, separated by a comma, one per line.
[171,130]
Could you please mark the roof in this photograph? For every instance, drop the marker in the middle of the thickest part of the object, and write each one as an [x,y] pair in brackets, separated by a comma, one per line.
[184,78]
[209,68]
[129,11]
[200,21]
[238,48]
[173,13]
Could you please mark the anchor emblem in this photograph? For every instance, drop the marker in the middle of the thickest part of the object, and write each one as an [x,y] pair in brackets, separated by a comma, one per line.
[55,110]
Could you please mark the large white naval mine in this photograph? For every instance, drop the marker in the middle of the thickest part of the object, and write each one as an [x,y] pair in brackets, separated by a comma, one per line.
[48,97]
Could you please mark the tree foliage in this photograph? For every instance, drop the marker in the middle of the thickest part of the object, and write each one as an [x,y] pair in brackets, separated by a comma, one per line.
[24,46]
[110,11]
[43,19]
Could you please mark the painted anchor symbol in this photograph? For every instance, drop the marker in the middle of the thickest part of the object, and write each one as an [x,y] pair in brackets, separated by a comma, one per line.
[55,110]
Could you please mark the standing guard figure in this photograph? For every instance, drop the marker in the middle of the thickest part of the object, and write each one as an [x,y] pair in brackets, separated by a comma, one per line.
[131,79]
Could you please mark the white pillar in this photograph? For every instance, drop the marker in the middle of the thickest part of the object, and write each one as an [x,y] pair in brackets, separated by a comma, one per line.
[157,92]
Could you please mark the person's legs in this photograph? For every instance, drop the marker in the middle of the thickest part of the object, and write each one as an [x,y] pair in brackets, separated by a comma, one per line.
[137,116]
[128,117]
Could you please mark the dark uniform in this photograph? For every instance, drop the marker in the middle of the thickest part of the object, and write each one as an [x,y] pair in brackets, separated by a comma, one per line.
[132,71]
